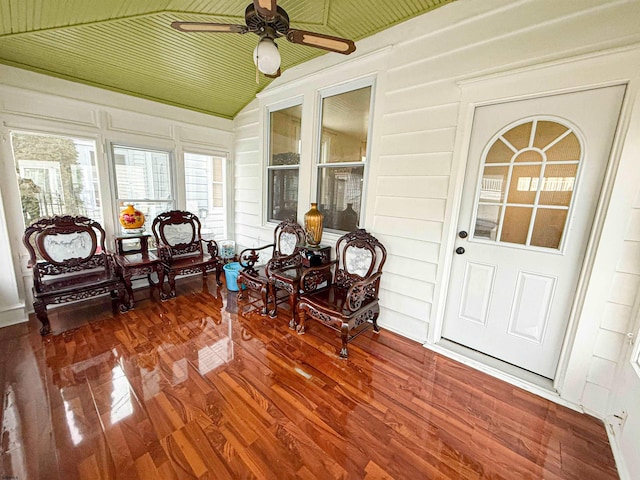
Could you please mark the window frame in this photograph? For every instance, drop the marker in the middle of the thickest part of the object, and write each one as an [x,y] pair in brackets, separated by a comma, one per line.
[368,81]
[276,107]
[97,180]
[113,184]
[226,191]
[576,186]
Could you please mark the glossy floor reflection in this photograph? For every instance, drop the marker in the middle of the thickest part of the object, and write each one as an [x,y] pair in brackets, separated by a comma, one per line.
[201,387]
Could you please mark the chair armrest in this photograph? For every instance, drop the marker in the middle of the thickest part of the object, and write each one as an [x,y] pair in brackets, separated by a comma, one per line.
[314,276]
[212,247]
[110,263]
[360,291]
[37,278]
[285,261]
[164,253]
[249,256]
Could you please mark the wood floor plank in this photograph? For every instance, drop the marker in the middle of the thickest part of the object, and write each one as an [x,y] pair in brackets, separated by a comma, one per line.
[203,386]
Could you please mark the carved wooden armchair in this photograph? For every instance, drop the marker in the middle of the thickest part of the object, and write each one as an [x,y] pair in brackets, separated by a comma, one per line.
[288,236]
[349,301]
[181,248]
[70,262]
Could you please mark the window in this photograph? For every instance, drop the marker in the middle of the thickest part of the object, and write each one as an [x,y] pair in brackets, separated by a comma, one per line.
[283,165]
[143,178]
[342,157]
[57,175]
[206,192]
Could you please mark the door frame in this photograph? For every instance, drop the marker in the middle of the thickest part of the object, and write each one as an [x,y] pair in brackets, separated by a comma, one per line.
[566,76]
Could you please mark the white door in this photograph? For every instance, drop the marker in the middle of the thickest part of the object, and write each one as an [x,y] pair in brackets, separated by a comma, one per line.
[534,173]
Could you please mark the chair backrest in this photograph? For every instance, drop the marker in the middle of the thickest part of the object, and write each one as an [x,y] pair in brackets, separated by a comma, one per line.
[287,236]
[179,231]
[359,255]
[65,244]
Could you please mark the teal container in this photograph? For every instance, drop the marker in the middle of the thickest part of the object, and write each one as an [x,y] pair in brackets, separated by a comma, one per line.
[231,275]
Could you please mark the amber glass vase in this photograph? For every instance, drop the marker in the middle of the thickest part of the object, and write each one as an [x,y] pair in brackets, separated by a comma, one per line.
[313,225]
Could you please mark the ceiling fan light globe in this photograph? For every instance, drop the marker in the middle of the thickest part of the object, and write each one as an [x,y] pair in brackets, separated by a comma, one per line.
[266,56]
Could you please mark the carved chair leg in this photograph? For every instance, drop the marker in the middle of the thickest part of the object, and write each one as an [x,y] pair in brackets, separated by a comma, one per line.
[41,313]
[344,353]
[272,291]
[205,284]
[161,283]
[264,293]
[172,286]
[240,283]
[292,304]
[218,272]
[376,328]
[301,327]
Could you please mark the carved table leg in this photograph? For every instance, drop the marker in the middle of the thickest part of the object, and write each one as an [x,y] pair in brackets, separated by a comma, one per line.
[129,289]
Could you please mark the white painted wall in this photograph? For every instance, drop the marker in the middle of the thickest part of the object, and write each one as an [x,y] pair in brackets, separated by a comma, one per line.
[33,102]
[422,67]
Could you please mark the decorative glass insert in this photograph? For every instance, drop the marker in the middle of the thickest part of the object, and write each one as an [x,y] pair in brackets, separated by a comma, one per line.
[284,162]
[528,178]
[56,176]
[342,157]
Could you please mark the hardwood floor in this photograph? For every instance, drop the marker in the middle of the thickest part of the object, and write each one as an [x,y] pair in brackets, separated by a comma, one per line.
[201,387]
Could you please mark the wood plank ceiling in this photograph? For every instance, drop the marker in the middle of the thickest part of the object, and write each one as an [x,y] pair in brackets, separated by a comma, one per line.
[128,46]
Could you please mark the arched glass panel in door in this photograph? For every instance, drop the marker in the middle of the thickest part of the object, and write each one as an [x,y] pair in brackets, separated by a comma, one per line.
[528,179]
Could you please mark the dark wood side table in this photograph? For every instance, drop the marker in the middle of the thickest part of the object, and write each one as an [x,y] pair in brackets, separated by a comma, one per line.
[137,261]
[288,279]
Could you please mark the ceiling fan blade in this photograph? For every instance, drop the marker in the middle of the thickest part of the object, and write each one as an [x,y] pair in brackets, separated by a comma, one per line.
[275,75]
[266,8]
[319,40]
[209,27]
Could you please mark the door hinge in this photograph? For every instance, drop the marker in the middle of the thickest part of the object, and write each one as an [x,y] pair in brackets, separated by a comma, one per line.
[630,338]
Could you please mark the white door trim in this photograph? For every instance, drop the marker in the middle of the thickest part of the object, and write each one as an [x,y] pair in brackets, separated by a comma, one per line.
[572,75]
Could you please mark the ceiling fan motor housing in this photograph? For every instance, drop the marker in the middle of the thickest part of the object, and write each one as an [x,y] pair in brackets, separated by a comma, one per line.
[257,24]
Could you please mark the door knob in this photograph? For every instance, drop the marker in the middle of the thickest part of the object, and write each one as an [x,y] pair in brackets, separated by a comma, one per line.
[460,250]
[462,234]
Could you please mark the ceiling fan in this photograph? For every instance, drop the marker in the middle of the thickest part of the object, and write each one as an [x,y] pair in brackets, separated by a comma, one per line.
[269,22]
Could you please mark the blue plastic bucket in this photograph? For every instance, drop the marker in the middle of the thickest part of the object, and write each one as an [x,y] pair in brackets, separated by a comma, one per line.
[231,275]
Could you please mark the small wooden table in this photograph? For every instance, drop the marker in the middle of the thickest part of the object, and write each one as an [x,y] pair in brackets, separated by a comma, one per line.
[288,278]
[137,262]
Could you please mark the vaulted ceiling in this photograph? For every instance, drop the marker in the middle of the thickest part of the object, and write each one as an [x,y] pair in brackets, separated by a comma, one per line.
[128,46]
